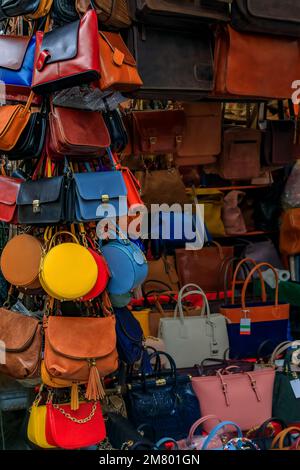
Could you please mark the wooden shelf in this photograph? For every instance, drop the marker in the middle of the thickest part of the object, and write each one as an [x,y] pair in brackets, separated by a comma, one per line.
[231,188]
[248,234]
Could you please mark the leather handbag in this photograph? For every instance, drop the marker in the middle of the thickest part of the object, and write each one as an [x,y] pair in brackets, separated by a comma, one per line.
[69,429]
[263,435]
[157,132]
[182,14]
[118,66]
[188,72]
[22,336]
[289,232]
[42,201]
[278,142]
[67,56]
[202,135]
[284,439]
[116,129]
[162,270]
[31,142]
[255,56]
[130,339]
[64,11]
[189,340]
[162,187]
[16,62]
[77,133]
[99,195]
[13,120]
[142,316]
[123,435]
[110,12]
[213,201]
[232,214]
[127,264]
[203,267]
[227,396]
[10,8]
[20,261]
[68,271]
[240,158]
[79,348]
[36,428]
[268,320]
[164,402]
[9,190]
[103,271]
[279,18]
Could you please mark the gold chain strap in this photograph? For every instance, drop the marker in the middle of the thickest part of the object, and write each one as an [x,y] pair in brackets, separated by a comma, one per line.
[75,420]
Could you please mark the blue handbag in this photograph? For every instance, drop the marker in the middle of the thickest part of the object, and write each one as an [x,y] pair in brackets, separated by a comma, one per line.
[16,60]
[214,432]
[130,340]
[127,264]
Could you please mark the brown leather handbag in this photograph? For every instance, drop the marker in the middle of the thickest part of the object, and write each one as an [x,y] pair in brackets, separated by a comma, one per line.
[162,270]
[77,132]
[255,65]
[110,12]
[13,120]
[20,261]
[118,67]
[203,267]
[158,132]
[290,232]
[232,215]
[240,158]
[202,135]
[79,348]
[22,337]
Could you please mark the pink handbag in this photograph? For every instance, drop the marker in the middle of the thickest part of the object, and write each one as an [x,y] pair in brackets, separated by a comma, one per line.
[244,398]
[193,442]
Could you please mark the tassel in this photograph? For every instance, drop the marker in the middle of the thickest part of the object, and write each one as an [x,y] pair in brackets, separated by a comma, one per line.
[95,390]
[74,397]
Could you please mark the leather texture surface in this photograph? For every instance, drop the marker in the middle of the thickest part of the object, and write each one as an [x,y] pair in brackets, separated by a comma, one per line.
[16,60]
[9,189]
[22,336]
[109,12]
[290,232]
[278,143]
[13,120]
[32,139]
[10,8]
[61,44]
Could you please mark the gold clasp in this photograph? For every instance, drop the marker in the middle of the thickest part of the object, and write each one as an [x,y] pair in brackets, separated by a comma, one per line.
[105,198]
[36,208]
[161,382]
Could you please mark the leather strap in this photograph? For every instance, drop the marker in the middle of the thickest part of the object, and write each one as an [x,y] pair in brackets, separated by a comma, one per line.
[234,282]
[279,439]
[197,424]
[281,348]
[249,278]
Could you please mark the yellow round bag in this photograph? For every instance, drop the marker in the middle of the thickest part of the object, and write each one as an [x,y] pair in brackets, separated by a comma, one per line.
[68,270]
[36,430]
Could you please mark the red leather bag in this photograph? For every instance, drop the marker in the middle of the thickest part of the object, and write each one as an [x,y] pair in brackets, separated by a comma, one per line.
[9,190]
[67,56]
[71,429]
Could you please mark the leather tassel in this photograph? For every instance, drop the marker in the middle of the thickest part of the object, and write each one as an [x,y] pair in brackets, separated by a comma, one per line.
[95,390]
[74,397]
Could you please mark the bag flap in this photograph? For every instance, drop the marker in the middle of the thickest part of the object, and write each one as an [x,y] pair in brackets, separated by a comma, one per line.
[9,189]
[46,190]
[7,114]
[92,186]
[68,336]
[61,43]
[17,330]
[202,110]
[13,50]
[115,42]
[284,10]
[129,325]
[159,123]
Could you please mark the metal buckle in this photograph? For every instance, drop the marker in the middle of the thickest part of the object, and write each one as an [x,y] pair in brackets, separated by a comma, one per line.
[105,198]
[161,382]
[152,140]
[36,208]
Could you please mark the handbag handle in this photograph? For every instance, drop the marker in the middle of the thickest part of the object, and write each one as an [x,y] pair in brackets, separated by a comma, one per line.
[215,431]
[260,433]
[279,439]
[187,294]
[263,286]
[249,278]
[227,263]
[165,440]
[227,370]
[171,361]
[63,232]
[224,385]
[197,424]
[197,290]
[280,349]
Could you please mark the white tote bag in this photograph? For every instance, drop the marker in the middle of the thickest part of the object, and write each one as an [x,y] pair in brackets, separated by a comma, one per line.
[189,340]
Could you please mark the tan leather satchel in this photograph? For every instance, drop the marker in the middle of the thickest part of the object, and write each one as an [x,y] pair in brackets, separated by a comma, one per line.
[79,348]
[110,12]
[13,120]
[22,338]
[201,140]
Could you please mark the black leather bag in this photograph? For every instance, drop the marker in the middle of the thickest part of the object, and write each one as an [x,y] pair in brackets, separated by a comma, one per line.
[173,64]
[9,8]
[264,435]
[116,129]
[122,435]
[166,403]
[64,11]
[45,201]
[30,144]
[179,13]
[281,17]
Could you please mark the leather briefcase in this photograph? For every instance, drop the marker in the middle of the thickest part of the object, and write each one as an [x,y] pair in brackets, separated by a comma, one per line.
[22,336]
[77,132]
[281,18]
[9,189]
[179,13]
[172,65]
[240,158]
[67,56]
[202,135]
[255,65]
[157,132]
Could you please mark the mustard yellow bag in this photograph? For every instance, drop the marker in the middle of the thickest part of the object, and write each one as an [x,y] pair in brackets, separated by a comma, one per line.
[213,201]
[36,430]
